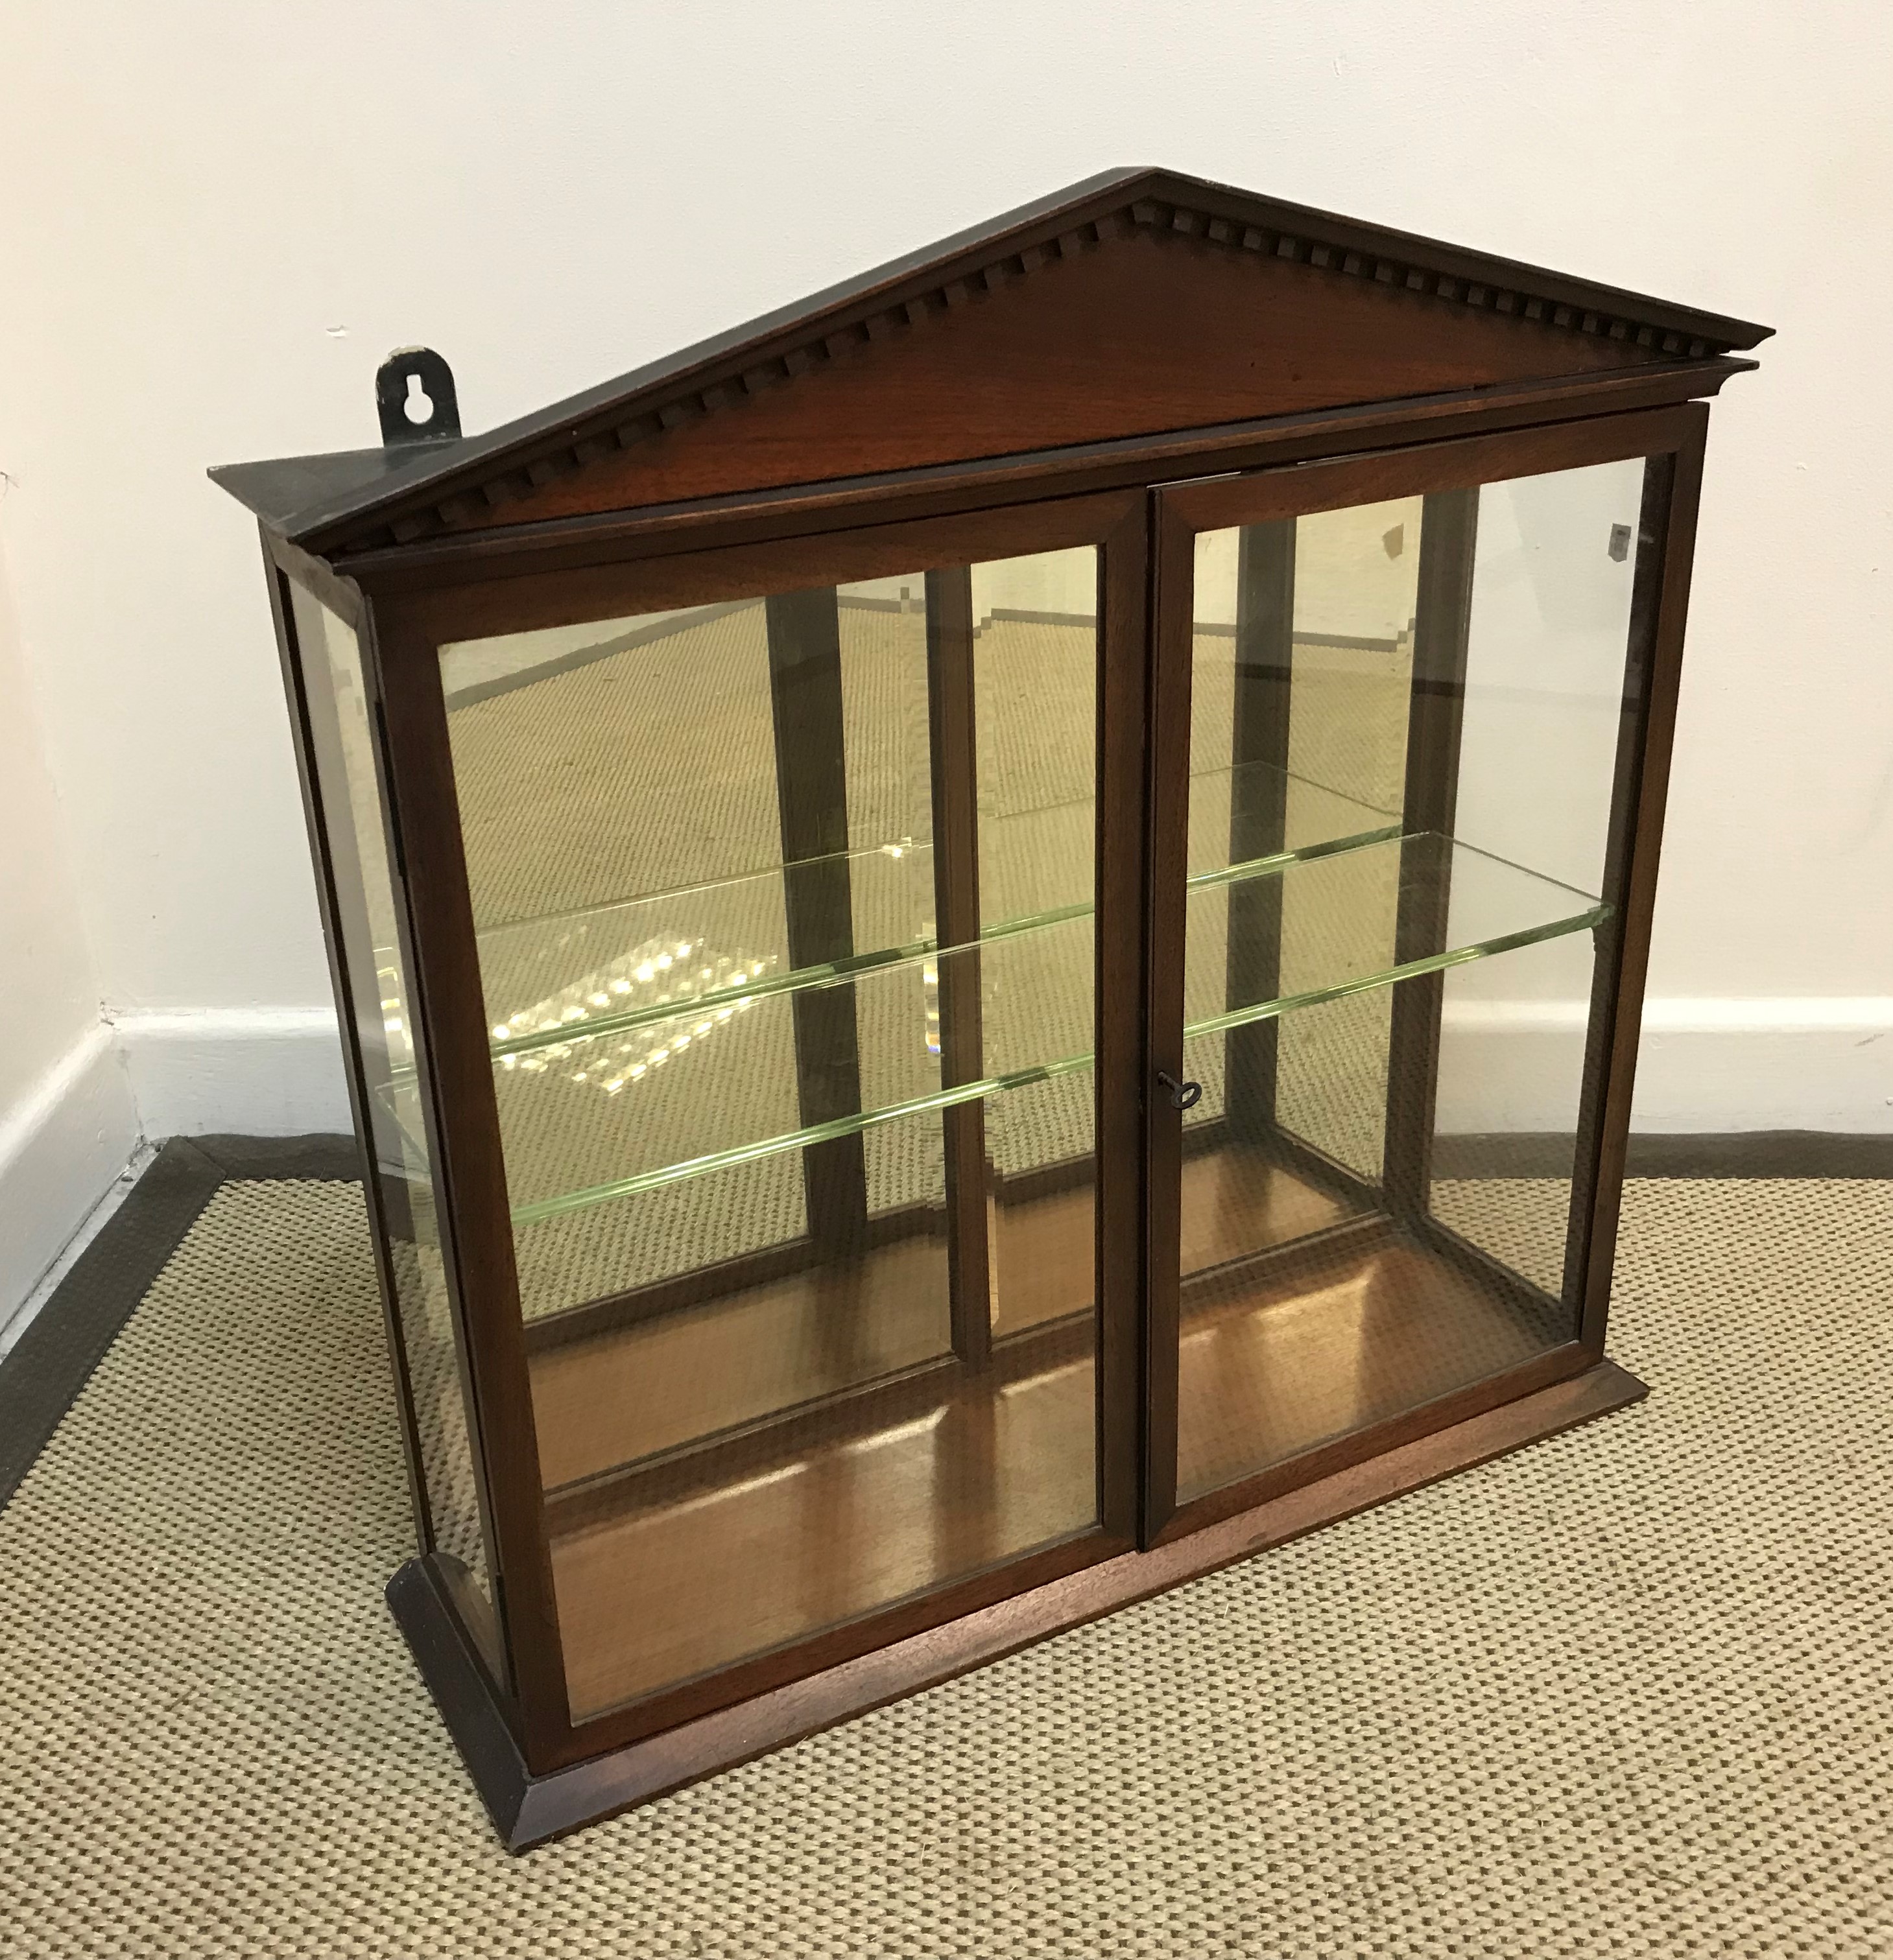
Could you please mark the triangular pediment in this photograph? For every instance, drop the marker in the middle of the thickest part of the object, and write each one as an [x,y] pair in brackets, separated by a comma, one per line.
[1138,303]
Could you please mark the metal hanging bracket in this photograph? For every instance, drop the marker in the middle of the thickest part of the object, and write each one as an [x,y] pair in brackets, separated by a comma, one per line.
[414,391]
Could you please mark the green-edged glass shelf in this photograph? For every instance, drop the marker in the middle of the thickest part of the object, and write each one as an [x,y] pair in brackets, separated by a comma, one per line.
[551,982]
[1339,900]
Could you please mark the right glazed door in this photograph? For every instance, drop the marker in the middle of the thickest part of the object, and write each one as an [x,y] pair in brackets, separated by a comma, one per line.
[1408,696]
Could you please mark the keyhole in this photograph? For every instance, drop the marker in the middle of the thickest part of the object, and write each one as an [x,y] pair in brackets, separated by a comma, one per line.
[419,408]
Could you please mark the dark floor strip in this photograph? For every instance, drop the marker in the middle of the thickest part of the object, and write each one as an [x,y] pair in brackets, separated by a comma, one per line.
[329,1158]
[41,1378]
[1750,1153]
[1762,1153]
[68,1338]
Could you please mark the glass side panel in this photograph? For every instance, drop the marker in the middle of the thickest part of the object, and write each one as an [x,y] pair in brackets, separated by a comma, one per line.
[1393,1036]
[1506,1117]
[1546,697]
[785,915]
[1547,704]
[343,736]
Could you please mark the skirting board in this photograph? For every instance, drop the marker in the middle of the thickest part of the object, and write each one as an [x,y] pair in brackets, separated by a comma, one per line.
[1718,1066]
[1723,1066]
[252,1072]
[61,1145]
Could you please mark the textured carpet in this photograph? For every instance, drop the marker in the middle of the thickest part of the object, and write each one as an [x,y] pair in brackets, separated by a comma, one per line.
[1629,1692]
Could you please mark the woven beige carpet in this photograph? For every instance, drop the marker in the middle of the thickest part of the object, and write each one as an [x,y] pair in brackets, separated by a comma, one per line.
[1629,1692]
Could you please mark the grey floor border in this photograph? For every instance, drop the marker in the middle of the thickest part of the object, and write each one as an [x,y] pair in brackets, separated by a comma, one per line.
[53,1359]
[1762,1153]
[1746,1153]
[330,1159]
[40,1379]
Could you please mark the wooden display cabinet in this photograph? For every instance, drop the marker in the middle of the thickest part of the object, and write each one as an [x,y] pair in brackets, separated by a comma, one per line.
[989,936]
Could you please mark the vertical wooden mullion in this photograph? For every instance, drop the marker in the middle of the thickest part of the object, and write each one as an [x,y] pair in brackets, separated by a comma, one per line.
[1659,612]
[952,731]
[1258,816]
[1121,1024]
[448,1005]
[1167,810]
[811,794]
[1442,617]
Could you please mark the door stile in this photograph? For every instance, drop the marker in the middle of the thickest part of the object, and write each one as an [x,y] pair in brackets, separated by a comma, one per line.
[1168,793]
[1124,721]
[463,1138]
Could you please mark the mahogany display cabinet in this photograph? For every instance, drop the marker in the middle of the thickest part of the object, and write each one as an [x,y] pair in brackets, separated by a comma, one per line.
[990,936]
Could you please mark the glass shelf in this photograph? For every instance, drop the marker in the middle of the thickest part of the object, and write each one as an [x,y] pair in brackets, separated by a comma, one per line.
[1340,906]
[691,1087]
[716,945]
[796,1139]
[1340,917]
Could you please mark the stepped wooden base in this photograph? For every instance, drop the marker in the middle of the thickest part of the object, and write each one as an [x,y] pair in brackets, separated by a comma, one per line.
[529,1810]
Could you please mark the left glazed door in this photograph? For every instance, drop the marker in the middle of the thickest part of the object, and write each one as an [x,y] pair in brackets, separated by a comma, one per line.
[782,875]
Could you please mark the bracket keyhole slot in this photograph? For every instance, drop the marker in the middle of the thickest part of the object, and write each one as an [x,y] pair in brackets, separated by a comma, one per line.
[414,396]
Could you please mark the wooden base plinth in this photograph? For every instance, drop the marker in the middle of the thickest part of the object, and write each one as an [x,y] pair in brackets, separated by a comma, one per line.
[529,1810]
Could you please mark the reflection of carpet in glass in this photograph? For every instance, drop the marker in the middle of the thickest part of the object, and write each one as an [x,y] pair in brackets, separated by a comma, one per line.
[651,988]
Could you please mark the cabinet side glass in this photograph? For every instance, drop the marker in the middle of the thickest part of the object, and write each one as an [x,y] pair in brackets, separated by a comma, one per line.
[372,976]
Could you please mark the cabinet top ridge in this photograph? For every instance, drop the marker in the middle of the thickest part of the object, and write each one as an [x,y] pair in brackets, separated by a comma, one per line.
[1138,302]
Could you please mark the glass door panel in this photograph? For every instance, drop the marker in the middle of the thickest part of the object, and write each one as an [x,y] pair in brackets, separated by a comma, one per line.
[785,908]
[1408,722]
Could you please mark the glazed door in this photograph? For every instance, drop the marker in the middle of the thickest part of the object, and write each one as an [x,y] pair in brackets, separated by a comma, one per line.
[1401,704]
[802,887]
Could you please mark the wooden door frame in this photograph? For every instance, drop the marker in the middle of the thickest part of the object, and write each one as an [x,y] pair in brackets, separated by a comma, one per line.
[408,627]
[1180,511]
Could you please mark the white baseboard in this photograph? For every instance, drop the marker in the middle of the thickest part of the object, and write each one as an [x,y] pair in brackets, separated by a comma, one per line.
[61,1145]
[1706,1066]
[251,1072]
[1797,1063]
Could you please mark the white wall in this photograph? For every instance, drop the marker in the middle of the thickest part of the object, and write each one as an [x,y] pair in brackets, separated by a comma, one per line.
[219,217]
[67,1125]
